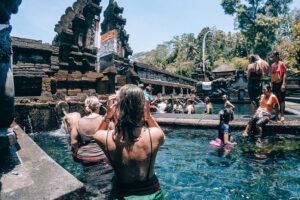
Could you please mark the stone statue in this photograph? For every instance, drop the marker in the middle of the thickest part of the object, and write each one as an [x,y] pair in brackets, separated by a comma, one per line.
[7,7]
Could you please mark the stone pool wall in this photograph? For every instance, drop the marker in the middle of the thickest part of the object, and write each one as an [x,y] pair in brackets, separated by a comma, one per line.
[34,175]
[35,117]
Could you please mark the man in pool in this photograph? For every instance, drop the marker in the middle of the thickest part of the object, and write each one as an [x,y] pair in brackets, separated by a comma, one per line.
[209,106]
[263,113]
[69,119]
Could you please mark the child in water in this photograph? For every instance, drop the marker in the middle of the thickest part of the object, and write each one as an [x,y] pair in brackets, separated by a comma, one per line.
[224,136]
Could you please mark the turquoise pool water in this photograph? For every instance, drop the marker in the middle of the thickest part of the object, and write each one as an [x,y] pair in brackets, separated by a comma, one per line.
[240,109]
[188,169]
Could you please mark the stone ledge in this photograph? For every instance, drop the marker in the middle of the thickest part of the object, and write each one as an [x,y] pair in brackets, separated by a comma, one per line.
[200,121]
[37,176]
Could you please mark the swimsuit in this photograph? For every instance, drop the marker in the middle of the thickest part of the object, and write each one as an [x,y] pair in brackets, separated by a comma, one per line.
[98,171]
[148,189]
[255,87]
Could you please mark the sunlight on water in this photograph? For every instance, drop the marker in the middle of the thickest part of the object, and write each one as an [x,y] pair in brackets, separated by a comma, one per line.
[188,169]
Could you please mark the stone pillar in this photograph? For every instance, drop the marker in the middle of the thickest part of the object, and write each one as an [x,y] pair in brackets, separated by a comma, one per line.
[7,91]
[163,89]
[181,90]
[187,91]
[174,91]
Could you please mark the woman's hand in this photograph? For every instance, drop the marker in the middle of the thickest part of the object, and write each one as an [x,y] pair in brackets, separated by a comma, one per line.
[111,107]
[147,112]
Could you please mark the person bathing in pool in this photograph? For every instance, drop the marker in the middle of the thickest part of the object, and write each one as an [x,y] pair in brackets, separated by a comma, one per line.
[224,136]
[132,146]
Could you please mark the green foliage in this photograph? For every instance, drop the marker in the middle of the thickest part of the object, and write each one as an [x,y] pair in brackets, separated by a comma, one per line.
[265,25]
[258,21]
[156,57]
[238,62]
[289,41]
[235,62]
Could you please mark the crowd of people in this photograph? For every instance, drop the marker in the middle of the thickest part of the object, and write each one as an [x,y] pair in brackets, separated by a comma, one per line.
[264,98]
[118,150]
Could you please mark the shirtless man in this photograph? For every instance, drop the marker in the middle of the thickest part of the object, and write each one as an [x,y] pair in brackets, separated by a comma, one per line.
[227,103]
[69,119]
[209,106]
[132,147]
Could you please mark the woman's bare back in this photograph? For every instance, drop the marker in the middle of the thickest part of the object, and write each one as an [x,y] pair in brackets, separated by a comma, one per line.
[131,160]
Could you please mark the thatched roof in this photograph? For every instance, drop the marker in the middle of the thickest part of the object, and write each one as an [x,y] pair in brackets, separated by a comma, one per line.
[224,68]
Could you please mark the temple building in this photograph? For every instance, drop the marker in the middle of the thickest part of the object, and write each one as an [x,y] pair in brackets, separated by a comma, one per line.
[224,71]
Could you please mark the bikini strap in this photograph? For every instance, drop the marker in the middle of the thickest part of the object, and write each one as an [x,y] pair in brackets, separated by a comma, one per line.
[106,145]
[151,154]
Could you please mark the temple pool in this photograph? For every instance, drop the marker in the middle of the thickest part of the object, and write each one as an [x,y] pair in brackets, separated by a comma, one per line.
[188,169]
[240,109]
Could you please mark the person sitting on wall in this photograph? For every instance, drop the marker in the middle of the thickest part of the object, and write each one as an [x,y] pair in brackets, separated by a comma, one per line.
[132,147]
[209,106]
[162,106]
[169,108]
[254,75]
[177,108]
[263,113]
[87,151]
[278,80]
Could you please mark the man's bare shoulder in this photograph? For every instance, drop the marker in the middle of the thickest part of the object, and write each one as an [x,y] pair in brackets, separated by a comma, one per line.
[72,117]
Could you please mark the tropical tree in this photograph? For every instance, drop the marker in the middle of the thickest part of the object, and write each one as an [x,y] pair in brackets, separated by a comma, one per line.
[289,40]
[258,21]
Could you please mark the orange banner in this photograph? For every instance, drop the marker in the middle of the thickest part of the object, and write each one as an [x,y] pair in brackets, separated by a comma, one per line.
[109,35]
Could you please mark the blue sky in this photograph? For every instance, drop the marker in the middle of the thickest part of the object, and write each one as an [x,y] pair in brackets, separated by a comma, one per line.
[149,22]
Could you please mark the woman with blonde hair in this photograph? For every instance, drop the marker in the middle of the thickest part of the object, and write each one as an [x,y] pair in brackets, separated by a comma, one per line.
[98,171]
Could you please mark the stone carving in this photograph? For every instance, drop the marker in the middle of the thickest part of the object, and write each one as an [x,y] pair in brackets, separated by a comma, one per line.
[76,36]
[114,40]
[234,87]
[6,77]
